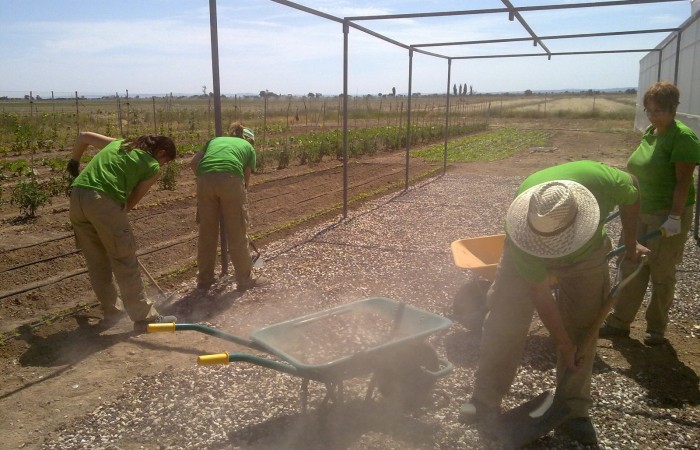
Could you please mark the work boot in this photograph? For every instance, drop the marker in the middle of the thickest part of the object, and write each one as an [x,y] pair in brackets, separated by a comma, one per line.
[252,283]
[608,331]
[476,412]
[141,326]
[109,321]
[653,338]
[580,429]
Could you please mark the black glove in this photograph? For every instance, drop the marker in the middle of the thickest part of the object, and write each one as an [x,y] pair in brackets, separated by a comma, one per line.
[73,167]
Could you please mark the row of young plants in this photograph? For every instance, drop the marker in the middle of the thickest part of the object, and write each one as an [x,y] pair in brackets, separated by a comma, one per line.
[491,146]
[29,193]
[312,147]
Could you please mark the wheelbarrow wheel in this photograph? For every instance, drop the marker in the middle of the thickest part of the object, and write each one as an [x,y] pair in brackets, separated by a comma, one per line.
[402,378]
[469,304]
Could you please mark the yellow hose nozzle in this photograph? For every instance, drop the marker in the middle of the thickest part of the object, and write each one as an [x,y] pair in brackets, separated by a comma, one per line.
[161,327]
[210,360]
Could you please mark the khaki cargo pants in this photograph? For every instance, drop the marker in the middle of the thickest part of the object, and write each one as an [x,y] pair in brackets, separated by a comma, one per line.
[666,254]
[103,233]
[222,194]
[583,288]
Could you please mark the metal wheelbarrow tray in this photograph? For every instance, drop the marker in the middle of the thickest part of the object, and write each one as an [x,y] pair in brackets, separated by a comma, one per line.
[376,335]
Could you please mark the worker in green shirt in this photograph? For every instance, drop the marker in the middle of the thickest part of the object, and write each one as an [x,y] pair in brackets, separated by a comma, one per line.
[223,169]
[664,164]
[112,183]
[554,228]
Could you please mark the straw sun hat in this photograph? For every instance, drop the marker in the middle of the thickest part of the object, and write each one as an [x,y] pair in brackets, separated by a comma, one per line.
[553,219]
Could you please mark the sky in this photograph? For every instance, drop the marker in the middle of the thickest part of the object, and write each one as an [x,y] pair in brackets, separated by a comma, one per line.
[157,47]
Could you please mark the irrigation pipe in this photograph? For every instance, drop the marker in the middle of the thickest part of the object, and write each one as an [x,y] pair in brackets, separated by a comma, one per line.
[74,273]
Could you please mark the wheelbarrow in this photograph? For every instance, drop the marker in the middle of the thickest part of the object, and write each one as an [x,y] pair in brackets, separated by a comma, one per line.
[481,256]
[375,336]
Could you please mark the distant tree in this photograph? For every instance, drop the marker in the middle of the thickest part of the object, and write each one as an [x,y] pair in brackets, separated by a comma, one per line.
[310,95]
[528,91]
[319,95]
[263,94]
[460,89]
[393,92]
[454,89]
[471,90]
[380,95]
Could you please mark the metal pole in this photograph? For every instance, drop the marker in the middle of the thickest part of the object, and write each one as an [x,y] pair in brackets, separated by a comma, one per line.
[77,113]
[217,117]
[155,125]
[346,32]
[447,116]
[408,118]
[678,56]
[119,115]
[215,67]
[128,113]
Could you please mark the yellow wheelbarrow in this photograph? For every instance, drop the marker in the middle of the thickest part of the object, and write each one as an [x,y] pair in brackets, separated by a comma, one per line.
[479,255]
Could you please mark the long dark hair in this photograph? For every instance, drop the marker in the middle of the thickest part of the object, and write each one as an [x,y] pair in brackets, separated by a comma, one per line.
[152,144]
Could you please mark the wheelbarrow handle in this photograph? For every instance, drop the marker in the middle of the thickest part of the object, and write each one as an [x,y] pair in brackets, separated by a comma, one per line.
[161,327]
[445,368]
[214,359]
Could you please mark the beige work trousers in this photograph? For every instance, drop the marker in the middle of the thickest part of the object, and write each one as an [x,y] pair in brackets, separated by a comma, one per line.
[582,289]
[103,233]
[222,195]
[666,254]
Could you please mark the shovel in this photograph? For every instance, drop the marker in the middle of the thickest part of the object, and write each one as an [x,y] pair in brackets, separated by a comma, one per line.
[540,415]
[152,280]
[255,257]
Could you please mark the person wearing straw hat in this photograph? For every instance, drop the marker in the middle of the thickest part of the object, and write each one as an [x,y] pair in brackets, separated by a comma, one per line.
[223,169]
[554,228]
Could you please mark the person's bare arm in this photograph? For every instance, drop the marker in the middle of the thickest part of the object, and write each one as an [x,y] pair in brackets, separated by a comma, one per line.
[629,215]
[548,311]
[684,176]
[86,139]
[246,176]
[139,191]
[194,162]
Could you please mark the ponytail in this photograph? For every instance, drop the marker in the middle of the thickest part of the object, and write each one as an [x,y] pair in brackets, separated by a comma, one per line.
[152,144]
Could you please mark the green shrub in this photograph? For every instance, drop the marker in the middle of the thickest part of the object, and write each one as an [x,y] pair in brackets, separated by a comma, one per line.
[169,175]
[29,195]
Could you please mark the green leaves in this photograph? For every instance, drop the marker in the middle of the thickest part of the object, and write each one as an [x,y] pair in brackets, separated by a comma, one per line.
[29,195]
[491,146]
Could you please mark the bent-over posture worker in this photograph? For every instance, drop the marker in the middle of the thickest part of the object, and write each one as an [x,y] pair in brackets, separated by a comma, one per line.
[223,168]
[554,227]
[111,184]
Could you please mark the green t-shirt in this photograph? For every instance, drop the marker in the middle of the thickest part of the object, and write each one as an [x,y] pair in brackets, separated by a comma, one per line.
[653,165]
[227,154]
[610,187]
[115,172]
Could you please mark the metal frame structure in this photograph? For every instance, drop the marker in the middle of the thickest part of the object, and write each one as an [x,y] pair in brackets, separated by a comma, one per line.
[513,13]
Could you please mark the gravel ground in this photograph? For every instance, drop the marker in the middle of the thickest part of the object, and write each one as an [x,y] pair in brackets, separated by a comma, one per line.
[397,247]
